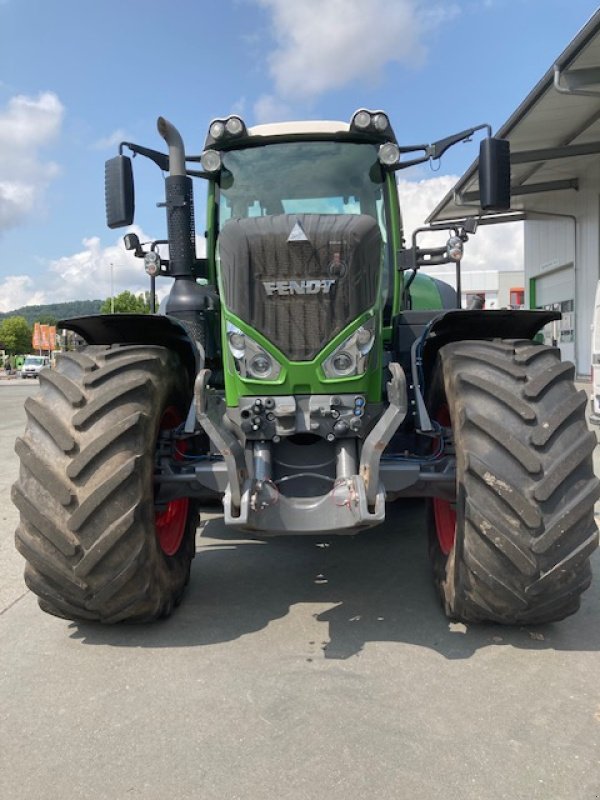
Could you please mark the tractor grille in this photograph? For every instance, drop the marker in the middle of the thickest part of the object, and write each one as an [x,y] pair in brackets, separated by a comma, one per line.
[299,279]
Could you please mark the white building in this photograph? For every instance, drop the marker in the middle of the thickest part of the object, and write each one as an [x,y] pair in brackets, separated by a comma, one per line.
[495,289]
[554,137]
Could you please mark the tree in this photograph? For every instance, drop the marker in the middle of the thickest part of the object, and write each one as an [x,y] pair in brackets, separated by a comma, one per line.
[127,303]
[15,335]
[46,319]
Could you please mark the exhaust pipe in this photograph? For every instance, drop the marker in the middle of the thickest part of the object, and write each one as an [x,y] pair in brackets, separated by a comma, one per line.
[187,300]
[172,137]
[179,202]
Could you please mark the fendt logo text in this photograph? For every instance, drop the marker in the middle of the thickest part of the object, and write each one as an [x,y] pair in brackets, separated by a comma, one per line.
[298,287]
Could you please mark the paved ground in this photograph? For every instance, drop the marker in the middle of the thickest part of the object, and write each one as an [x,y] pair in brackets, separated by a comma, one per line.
[299,668]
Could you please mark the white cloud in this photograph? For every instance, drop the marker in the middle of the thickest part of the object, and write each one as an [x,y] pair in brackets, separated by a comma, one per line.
[327,44]
[418,199]
[27,125]
[86,275]
[492,247]
[17,199]
[17,291]
[269,108]
[112,140]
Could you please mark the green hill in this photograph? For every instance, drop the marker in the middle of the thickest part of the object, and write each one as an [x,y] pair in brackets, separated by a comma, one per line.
[74,308]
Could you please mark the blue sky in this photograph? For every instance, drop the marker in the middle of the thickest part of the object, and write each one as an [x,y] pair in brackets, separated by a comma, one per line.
[77,75]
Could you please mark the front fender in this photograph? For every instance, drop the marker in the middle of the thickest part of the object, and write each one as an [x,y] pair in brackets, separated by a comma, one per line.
[139,329]
[460,324]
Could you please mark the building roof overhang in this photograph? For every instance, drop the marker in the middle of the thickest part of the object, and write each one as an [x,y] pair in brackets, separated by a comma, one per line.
[554,138]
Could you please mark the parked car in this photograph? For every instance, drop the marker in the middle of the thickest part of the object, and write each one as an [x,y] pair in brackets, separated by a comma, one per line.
[33,365]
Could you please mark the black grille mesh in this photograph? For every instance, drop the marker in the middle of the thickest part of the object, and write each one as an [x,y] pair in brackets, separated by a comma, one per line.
[346,248]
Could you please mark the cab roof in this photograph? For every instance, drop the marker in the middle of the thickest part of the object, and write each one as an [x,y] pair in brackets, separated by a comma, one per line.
[303,128]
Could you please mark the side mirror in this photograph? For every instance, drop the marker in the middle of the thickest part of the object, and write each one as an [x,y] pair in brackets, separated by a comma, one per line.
[118,192]
[494,174]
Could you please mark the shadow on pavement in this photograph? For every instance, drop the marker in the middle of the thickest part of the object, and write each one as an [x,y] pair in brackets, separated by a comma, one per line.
[377,585]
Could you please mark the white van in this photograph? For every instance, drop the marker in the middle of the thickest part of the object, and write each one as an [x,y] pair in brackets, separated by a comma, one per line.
[33,365]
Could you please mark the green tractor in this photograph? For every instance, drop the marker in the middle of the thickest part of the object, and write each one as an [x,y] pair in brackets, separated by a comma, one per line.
[306,373]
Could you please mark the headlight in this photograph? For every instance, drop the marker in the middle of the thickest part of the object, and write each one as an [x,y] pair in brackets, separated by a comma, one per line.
[152,263]
[380,122]
[234,126]
[217,129]
[362,120]
[454,248]
[351,357]
[211,161]
[343,363]
[251,361]
[237,343]
[365,336]
[389,154]
[260,366]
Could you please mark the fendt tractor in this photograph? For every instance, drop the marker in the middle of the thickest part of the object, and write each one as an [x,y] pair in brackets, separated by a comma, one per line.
[306,373]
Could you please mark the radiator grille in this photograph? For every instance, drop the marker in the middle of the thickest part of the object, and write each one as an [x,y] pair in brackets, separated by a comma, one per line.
[344,249]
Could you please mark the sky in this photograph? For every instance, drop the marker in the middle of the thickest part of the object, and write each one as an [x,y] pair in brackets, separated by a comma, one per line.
[79,76]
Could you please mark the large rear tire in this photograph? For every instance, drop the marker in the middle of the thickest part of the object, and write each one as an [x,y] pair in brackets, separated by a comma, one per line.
[515,547]
[96,545]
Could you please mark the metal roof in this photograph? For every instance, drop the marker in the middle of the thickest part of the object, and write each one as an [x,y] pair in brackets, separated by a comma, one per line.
[554,136]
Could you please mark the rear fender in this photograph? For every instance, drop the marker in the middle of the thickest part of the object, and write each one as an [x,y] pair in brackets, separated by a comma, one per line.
[139,329]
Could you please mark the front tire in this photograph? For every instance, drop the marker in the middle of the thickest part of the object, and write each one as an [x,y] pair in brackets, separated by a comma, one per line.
[96,546]
[515,547]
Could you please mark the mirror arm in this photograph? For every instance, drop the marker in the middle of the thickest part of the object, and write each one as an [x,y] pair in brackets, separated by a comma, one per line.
[410,163]
[414,258]
[160,159]
[437,149]
[435,261]
[431,251]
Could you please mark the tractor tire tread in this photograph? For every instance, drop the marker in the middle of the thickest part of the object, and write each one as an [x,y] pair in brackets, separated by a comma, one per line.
[87,512]
[525,484]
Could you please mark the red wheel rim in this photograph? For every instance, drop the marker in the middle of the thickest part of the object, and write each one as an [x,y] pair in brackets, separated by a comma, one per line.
[170,522]
[445,524]
[443,510]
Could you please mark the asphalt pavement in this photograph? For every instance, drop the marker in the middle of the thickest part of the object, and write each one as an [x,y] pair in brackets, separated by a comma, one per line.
[296,668]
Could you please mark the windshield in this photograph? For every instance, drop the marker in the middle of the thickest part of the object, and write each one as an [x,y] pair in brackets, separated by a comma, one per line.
[34,361]
[302,178]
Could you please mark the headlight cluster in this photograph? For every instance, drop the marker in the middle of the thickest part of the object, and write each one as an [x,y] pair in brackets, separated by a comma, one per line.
[251,361]
[351,356]
[220,130]
[373,121]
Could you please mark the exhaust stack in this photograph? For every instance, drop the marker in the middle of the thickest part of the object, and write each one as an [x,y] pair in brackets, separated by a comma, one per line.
[187,301]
